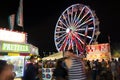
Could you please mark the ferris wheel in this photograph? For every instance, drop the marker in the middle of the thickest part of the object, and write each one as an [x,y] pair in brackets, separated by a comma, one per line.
[75,28]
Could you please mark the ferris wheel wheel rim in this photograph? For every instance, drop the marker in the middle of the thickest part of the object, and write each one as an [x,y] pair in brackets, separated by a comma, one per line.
[61,16]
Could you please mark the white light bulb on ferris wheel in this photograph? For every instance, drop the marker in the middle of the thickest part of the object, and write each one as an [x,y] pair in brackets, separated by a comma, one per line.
[74,20]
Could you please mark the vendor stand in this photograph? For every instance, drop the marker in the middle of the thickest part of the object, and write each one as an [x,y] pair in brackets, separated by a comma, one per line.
[14,48]
[98,51]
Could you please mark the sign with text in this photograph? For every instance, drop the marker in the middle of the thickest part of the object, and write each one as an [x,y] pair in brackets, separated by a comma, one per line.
[12,47]
[98,51]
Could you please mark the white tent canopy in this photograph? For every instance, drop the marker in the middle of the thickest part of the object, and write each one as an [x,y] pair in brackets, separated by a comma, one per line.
[54,56]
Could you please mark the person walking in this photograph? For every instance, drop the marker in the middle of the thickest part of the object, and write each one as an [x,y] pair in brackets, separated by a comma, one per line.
[74,64]
[114,69]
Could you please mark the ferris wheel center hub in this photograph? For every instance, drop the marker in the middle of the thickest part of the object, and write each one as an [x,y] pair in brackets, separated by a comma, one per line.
[72,28]
[67,30]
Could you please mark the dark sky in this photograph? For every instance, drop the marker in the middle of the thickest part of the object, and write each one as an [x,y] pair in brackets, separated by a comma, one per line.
[40,17]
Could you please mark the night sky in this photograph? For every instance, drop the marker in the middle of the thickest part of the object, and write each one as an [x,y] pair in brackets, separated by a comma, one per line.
[40,18]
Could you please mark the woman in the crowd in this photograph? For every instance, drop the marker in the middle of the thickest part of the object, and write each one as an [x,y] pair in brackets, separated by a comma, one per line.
[60,73]
[5,71]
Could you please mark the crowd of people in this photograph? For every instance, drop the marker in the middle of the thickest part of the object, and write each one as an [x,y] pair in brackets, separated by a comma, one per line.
[90,70]
[70,67]
[103,70]
[49,63]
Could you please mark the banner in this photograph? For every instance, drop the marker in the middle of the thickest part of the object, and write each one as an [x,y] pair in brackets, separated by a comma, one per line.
[20,14]
[98,51]
[11,20]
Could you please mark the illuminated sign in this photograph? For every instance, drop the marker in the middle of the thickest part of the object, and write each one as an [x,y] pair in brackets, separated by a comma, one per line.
[11,47]
[11,36]
[99,51]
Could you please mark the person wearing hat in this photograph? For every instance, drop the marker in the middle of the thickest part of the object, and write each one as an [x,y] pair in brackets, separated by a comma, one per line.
[30,72]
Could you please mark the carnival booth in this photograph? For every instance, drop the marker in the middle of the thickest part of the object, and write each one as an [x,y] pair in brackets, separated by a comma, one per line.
[98,51]
[49,65]
[14,48]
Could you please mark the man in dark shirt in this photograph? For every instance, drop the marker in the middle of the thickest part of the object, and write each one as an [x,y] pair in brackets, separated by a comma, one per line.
[60,73]
[31,71]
